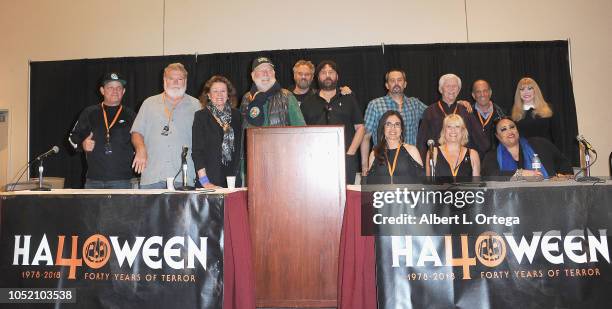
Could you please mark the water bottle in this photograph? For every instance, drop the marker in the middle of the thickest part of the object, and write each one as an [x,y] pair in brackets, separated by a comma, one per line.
[536,164]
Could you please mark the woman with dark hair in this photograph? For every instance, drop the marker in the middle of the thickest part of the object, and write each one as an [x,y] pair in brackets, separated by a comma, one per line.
[391,160]
[454,161]
[514,155]
[217,134]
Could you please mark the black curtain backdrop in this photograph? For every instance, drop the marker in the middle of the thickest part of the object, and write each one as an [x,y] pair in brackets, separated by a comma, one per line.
[60,90]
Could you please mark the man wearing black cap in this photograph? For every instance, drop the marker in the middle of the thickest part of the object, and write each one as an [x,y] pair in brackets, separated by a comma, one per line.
[267,104]
[103,133]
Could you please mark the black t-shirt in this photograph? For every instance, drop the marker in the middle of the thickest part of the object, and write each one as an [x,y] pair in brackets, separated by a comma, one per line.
[532,125]
[101,165]
[302,97]
[341,110]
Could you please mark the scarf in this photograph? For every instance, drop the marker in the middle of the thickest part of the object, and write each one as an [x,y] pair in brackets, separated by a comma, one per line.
[507,163]
[257,101]
[225,117]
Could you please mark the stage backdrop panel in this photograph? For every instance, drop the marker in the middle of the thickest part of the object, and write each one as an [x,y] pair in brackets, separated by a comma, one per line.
[556,255]
[60,90]
[116,250]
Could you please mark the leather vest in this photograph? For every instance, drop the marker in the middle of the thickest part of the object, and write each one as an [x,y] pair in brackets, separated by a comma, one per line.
[278,108]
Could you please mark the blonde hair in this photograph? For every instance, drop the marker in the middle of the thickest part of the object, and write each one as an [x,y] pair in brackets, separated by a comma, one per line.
[306,63]
[542,108]
[454,119]
[177,66]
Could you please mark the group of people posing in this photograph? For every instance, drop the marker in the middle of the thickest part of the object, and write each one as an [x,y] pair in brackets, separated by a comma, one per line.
[452,135]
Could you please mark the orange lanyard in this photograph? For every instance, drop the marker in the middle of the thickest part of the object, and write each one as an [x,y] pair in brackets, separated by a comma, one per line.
[442,109]
[484,124]
[108,127]
[455,169]
[392,168]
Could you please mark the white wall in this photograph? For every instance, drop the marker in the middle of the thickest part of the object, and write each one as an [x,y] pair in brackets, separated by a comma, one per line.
[68,29]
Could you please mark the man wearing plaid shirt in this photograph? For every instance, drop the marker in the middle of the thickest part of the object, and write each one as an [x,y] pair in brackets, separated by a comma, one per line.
[410,108]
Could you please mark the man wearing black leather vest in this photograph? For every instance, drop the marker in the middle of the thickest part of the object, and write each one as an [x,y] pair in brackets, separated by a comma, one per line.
[267,104]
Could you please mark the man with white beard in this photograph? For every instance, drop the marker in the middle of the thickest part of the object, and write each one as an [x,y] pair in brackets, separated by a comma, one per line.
[267,104]
[161,129]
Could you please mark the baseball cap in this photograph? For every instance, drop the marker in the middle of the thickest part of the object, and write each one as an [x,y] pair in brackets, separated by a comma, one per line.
[113,77]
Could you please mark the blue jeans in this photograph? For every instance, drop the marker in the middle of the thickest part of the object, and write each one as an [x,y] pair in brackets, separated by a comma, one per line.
[108,184]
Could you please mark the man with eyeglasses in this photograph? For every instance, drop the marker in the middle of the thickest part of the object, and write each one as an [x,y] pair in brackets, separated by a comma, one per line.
[103,133]
[330,107]
[410,108]
[485,110]
[161,129]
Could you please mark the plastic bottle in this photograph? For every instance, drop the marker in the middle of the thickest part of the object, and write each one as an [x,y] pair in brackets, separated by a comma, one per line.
[536,164]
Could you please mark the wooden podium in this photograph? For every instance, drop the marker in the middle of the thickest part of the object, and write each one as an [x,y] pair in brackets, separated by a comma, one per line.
[296,200]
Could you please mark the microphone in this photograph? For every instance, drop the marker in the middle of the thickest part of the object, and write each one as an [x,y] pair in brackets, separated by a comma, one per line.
[586,144]
[184,154]
[184,170]
[430,144]
[432,168]
[51,151]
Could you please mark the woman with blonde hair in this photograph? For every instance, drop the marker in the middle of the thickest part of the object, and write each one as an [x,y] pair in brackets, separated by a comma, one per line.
[531,113]
[452,158]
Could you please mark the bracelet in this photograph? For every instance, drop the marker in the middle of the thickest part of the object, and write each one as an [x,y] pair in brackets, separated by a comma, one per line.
[203,180]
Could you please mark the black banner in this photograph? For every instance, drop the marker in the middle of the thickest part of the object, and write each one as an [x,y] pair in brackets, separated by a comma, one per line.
[113,251]
[523,247]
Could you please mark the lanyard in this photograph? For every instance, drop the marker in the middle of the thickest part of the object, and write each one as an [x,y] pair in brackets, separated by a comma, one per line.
[455,169]
[166,110]
[108,127]
[484,124]
[445,114]
[392,168]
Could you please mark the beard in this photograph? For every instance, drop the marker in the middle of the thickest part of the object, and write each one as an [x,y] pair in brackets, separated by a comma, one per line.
[303,83]
[176,93]
[328,84]
[264,85]
[397,90]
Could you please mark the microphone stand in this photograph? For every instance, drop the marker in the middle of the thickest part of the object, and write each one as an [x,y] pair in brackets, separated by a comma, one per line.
[587,168]
[432,167]
[184,187]
[40,177]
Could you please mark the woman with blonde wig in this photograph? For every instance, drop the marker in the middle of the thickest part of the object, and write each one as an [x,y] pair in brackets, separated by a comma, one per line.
[531,113]
[452,158]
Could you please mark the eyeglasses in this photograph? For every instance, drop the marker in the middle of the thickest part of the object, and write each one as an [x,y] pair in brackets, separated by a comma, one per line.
[392,125]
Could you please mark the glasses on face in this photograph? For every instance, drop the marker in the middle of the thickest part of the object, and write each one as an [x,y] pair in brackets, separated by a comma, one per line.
[504,128]
[393,125]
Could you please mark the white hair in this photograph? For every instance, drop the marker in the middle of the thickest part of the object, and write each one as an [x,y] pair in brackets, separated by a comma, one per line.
[446,77]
